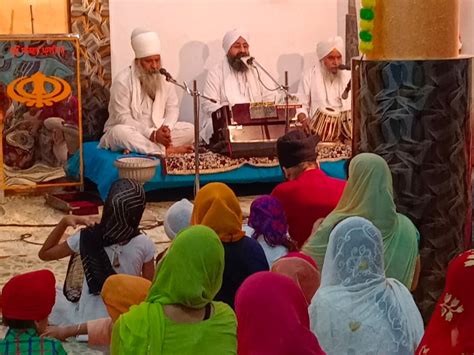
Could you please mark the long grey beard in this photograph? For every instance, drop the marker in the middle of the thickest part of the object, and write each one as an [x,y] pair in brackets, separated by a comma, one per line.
[330,76]
[151,82]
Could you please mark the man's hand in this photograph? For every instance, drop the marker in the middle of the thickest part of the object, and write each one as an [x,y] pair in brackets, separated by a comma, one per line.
[162,136]
[303,120]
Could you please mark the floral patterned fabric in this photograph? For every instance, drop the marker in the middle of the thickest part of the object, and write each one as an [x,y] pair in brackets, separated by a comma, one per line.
[450,327]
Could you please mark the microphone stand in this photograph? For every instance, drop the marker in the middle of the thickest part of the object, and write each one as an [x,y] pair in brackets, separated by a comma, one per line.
[283,88]
[196,95]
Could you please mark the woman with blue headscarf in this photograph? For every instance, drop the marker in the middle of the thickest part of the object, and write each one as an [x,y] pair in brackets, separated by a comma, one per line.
[357,309]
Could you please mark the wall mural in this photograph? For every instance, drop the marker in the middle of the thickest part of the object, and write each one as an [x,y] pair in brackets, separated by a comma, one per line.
[90,19]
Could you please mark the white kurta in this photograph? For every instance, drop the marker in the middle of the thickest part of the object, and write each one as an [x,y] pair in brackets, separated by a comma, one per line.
[131,256]
[316,90]
[229,87]
[133,116]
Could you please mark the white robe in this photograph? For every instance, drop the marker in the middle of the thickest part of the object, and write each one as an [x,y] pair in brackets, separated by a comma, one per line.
[229,87]
[316,90]
[133,116]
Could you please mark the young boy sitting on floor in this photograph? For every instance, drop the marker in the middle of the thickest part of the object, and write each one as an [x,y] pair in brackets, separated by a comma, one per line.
[26,303]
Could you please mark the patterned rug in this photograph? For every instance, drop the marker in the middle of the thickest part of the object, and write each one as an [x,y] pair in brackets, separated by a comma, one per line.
[211,163]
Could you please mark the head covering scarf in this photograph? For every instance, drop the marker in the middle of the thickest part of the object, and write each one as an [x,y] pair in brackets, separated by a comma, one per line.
[177,217]
[231,36]
[306,276]
[123,210]
[369,194]
[323,48]
[145,43]
[272,317]
[296,147]
[120,292]
[267,218]
[29,296]
[450,330]
[356,309]
[217,207]
[298,254]
[190,275]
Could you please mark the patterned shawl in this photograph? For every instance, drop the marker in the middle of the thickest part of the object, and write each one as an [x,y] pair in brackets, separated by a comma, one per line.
[121,217]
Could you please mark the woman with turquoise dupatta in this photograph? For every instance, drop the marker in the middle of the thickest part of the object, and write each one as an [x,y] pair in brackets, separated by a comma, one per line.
[369,194]
[179,315]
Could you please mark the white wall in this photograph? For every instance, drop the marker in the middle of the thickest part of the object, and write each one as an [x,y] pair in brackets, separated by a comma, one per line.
[283,34]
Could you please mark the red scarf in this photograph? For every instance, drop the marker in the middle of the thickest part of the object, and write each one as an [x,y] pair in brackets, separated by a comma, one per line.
[272,317]
[450,330]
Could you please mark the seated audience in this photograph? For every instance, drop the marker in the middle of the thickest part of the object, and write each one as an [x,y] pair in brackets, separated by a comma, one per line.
[119,293]
[369,194]
[272,317]
[115,245]
[306,275]
[268,221]
[308,194]
[450,330]
[179,315]
[27,301]
[217,207]
[177,217]
[357,310]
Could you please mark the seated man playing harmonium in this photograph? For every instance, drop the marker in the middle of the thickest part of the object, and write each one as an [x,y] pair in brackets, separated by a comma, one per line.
[232,81]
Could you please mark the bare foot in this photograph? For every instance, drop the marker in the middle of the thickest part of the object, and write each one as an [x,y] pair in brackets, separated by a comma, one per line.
[126,151]
[182,149]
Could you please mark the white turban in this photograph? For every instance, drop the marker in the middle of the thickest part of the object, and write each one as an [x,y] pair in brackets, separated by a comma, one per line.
[325,47]
[145,43]
[232,36]
[177,217]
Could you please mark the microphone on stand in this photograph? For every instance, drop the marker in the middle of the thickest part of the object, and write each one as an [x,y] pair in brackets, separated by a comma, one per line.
[248,61]
[343,67]
[166,74]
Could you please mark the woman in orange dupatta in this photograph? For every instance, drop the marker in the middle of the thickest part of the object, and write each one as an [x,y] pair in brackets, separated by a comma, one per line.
[217,207]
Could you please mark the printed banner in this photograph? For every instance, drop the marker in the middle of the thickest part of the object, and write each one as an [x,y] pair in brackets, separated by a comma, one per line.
[40,110]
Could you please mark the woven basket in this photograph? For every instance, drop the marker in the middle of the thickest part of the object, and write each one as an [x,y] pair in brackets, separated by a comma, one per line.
[140,169]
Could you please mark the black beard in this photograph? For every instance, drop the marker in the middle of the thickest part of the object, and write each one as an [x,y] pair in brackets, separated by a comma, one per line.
[236,63]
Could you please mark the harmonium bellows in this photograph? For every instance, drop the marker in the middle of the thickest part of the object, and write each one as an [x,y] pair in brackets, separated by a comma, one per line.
[251,129]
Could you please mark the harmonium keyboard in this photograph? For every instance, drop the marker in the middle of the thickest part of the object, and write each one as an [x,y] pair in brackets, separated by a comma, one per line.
[251,129]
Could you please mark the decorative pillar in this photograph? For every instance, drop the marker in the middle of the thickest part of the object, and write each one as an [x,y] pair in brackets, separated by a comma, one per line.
[416,115]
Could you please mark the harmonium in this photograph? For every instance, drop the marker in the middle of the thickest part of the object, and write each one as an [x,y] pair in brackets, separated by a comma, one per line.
[250,129]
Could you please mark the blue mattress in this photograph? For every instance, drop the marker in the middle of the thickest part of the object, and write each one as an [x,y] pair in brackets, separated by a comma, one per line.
[99,168]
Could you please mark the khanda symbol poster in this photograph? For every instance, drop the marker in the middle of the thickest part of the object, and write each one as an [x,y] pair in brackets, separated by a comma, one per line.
[40,111]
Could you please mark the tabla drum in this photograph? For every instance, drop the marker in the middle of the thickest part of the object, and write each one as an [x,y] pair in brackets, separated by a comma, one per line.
[346,125]
[326,123]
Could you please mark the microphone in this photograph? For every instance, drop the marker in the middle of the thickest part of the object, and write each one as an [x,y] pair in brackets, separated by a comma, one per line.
[343,67]
[166,74]
[345,93]
[247,60]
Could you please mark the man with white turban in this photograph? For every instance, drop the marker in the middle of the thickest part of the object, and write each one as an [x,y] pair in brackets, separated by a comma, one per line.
[324,84]
[143,107]
[231,81]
